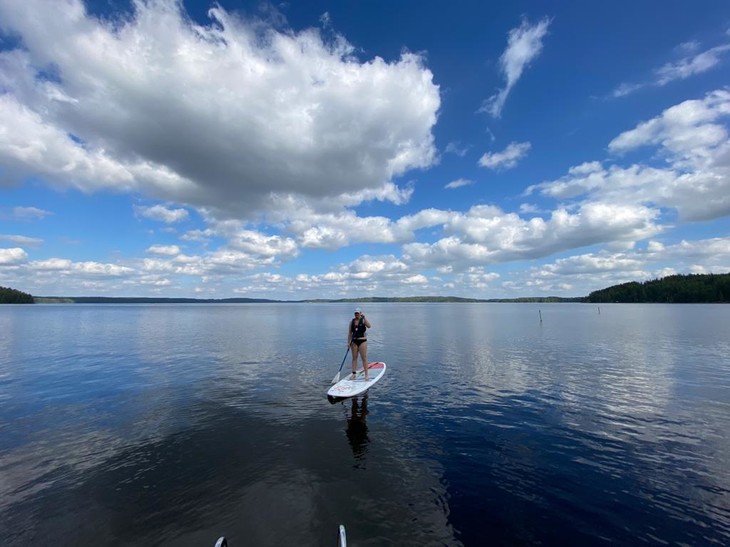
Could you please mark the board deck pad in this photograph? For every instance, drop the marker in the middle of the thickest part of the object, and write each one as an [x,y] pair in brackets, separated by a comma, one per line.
[349,386]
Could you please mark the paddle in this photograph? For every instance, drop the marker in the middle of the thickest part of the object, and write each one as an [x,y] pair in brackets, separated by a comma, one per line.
[337,376]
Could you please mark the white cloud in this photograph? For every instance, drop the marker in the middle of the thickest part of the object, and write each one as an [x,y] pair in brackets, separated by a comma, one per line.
[507,158]
[51,264]
[686,131]
[12,256]
[690,66]
[477,278]
[530,209]
[65,267]
[524,44]
[459,183]
[612,183]
[264,113]
[593,271]
[456,149]
[418,279]
[365,275]
[29,213]
[164,250]
[686,67]
[377,264]
[694,143]
[96,268]
[626,89]
[256,243]
[487,235]
[336,230]
[162,214]
[21,240]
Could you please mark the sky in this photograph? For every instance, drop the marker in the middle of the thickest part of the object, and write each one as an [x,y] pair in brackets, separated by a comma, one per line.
[348,149]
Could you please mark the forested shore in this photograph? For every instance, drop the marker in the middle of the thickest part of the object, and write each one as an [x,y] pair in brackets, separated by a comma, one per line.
[674,289]
[14,296]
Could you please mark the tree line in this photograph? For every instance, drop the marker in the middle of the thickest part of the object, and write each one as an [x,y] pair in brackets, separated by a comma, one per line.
[14,296]
[673,289]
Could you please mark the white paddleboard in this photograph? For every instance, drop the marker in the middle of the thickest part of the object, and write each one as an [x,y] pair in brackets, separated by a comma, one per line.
[349,386]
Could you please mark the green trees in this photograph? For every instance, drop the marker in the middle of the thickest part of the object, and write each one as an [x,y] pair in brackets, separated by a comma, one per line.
[676,289]
[12,296]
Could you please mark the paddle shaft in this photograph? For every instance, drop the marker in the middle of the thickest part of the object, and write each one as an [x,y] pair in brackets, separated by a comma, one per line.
[337,376]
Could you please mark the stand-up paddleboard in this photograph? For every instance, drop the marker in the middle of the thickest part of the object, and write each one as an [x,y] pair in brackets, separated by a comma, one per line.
[349,386]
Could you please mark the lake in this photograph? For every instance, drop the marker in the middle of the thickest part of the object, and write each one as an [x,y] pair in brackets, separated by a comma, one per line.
[498,424]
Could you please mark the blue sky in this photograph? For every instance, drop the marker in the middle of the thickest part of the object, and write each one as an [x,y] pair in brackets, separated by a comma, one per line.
[371,148]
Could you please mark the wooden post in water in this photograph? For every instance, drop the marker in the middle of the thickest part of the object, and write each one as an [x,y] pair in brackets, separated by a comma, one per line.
[540,312]
[599,310]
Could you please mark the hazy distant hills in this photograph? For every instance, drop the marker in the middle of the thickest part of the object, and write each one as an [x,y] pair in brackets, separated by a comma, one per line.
[147,300]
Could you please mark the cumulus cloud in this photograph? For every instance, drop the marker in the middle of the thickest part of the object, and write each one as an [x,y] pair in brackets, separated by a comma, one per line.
[336,230]
[597,270]
[262,113]
[524,44]
[418,279]
[162,213]
[692,139]
[477,278]
[487,235]
[256,243]
[64,266]
[164,250]
[13,255]
[384,274]
[507,158]
[688,132]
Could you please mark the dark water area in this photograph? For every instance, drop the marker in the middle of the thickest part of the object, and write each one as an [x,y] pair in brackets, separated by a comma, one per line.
[175,424]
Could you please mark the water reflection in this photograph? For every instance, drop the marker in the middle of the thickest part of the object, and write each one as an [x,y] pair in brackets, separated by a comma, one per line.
[175,425]
[357,429]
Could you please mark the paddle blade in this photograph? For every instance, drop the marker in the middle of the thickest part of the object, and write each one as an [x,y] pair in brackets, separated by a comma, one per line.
[337,376]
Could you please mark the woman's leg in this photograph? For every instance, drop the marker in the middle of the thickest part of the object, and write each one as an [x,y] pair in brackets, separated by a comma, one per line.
[353,350]
[364,357]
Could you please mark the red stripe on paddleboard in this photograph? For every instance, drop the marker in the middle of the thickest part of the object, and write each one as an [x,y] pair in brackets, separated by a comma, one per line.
[375,365]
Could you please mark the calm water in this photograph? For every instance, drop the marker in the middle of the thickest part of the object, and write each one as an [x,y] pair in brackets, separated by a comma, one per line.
[174,424]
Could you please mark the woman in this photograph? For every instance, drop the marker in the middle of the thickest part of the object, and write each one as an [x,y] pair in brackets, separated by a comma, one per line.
[358,341]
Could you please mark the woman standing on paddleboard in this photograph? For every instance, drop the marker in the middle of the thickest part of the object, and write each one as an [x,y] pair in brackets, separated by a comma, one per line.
[358,341]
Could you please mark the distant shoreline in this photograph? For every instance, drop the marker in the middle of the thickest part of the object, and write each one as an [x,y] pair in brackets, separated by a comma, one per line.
[673,289]
[154,300]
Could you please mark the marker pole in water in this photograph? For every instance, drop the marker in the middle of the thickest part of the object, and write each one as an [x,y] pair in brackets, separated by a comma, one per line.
[341,536]
[540,312]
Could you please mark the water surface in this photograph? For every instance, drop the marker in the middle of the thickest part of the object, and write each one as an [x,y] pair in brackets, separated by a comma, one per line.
[174,424]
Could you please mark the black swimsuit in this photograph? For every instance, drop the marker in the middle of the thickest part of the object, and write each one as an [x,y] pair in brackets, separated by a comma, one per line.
[358,332]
